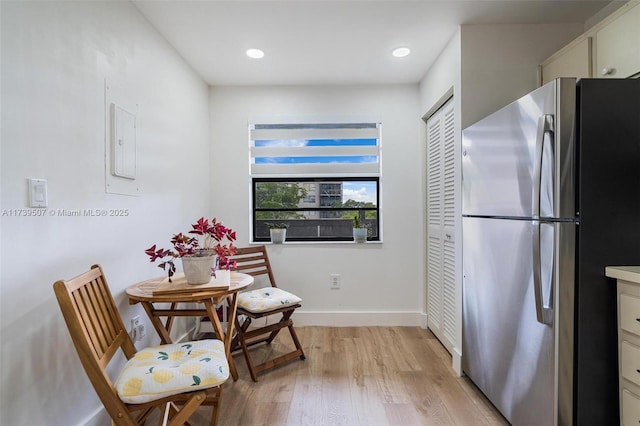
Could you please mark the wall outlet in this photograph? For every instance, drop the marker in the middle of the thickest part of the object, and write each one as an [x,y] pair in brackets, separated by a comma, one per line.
[138,330]
[334,281]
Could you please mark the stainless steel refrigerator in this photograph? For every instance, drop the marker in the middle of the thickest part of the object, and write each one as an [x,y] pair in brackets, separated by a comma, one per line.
[551,195]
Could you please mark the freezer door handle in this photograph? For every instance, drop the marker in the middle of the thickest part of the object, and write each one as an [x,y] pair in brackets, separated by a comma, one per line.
[545,125]
[544,314]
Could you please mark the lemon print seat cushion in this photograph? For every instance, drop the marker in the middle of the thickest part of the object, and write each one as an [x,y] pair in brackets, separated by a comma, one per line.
[165,370]
[266,299]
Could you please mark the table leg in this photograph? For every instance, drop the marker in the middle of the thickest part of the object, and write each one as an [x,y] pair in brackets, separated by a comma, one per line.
[231,320]
[157,323]
[226,338]
[169,322]
[232,301]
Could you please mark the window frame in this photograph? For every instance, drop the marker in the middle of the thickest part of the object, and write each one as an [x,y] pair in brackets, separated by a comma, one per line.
[255,228]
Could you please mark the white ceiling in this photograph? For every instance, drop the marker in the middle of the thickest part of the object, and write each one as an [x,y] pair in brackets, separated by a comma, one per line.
[333,42]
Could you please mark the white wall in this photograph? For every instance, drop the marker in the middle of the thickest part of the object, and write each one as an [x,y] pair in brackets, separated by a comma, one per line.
[489,66]
[500,63]
[381,283]
[55,57]
[442,76]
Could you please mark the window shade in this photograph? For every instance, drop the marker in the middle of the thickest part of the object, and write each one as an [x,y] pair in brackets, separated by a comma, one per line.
[315,150]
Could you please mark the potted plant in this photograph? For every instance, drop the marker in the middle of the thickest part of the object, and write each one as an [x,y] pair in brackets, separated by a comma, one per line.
[360,231]
[201,255]
[278,232]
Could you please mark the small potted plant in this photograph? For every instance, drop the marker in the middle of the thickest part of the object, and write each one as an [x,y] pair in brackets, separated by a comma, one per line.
[360,231]
[278,232]
[201,255]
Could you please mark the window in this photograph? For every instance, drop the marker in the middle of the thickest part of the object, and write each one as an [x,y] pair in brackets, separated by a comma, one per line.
[315,178]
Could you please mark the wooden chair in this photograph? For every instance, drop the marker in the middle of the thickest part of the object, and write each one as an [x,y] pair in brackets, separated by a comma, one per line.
[98,332]
[261,303]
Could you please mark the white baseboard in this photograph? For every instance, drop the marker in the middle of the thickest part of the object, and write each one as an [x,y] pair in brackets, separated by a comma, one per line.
[356,319]
[98,417]
[342,319]
[456,361]
[423,321]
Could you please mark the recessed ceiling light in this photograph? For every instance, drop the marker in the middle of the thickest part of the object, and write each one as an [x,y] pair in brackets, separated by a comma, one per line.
[401,52]
[255,53]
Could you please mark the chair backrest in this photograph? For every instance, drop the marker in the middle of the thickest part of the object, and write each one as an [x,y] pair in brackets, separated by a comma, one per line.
[255,262]
[96,329]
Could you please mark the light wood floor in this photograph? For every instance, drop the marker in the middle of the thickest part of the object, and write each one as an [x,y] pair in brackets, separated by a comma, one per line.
[355,376]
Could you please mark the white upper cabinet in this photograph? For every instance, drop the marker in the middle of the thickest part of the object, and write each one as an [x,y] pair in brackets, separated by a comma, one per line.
[618,46]
[610,49]
[572,61]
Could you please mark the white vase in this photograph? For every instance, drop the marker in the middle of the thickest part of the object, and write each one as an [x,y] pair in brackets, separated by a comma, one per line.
[197,269]
[278,235]
[360,235]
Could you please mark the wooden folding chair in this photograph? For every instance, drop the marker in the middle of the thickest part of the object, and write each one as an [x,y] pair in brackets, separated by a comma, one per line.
[261,303]
[175,378]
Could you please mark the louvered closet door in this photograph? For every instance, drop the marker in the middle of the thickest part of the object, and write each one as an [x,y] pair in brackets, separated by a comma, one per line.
[443,283]
[434,220]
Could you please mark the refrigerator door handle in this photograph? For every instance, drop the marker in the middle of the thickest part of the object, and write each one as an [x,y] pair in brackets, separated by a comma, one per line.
[545,124]
[544,314]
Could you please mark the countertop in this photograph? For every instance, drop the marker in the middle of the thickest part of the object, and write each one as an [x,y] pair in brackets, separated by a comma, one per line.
[627,273]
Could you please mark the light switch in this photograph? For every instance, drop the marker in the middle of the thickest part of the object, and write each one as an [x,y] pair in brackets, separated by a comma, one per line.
[37,192]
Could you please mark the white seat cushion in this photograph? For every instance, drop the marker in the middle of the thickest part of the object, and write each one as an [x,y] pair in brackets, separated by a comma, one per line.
[266,299]
[165,370]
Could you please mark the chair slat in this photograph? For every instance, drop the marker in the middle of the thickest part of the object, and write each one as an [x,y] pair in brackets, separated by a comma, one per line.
[81,280]
[101,326]
[249,265]
[249,258]
[83,305]
[104,307]
[248,269]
